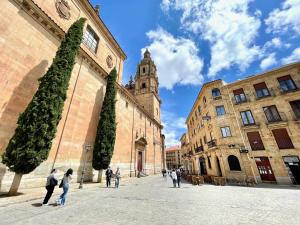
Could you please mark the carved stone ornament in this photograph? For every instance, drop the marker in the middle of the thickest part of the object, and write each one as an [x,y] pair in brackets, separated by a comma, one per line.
[63,8]
[109,61]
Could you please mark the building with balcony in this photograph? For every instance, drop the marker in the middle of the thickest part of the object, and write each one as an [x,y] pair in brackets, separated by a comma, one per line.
[249,129]
[173,157]
[186,154]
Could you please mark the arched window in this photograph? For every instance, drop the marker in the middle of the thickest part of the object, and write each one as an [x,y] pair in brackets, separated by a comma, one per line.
[234,163]
[216,92]
[204,99]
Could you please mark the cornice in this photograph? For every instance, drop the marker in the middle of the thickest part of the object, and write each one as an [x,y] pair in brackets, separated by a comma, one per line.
[265,74]
[49,24]
[104,28]
[44,20]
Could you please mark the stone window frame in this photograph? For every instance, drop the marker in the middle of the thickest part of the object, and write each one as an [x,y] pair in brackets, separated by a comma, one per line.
[91,39]
[227,131]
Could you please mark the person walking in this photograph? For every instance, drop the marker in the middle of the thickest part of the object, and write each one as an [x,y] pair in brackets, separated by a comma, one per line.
[108,175]
[117,177]
[50,185]
[65,184]
[174,177]
[178,174]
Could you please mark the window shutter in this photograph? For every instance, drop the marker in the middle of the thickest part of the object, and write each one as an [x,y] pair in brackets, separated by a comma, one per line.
[255,141]
[287,77]
[260,86]
[238,91]
[282,138]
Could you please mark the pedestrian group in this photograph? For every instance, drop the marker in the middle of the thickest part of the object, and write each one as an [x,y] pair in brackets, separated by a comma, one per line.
[52,181]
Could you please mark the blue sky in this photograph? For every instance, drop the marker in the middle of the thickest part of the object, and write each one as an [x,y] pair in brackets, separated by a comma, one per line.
[196,41]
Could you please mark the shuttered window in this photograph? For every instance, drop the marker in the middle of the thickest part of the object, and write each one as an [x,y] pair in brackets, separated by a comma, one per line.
[282,138]
[255,141]
[261,90]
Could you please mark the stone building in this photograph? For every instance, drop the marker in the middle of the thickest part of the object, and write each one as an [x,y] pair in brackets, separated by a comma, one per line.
[249,129]
[173,157]
[31,32]
[186,153]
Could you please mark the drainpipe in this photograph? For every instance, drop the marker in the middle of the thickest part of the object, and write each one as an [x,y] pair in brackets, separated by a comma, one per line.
[243,139]
[67,115]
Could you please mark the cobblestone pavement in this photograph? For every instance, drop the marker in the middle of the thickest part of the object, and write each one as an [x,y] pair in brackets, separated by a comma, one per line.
[152,200]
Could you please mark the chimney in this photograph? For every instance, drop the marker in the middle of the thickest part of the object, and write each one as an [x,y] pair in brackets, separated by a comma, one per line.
[97,9]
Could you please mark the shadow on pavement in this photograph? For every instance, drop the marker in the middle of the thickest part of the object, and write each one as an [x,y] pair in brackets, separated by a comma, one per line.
[37,204]
[5,195]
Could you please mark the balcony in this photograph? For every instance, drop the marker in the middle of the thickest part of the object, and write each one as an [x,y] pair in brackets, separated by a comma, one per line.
[271,93]
[254,125]
[239,100]
[285,90]
[281,117]
[218,97]
[212,143]
[199,149]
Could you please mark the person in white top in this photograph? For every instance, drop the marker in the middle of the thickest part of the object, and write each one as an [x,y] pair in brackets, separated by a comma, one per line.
[174,177]
[65,184]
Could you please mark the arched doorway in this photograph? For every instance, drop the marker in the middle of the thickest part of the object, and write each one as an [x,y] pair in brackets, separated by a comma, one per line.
[219,171]
[202,166]
[140,154]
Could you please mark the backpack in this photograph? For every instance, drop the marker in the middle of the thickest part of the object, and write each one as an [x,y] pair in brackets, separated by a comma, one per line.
[53,181]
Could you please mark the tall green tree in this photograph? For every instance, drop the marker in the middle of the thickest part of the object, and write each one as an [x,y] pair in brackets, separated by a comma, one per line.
[37,125]
[106,130]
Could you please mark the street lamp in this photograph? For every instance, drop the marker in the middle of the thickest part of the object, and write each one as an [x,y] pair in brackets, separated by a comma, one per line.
[86,147]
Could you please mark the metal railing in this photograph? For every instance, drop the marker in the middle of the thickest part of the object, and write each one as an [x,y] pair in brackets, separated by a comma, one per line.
[281,117]
[284,91]
[250,124]
[212,143]
[199,149]
[246,99]
[271,94]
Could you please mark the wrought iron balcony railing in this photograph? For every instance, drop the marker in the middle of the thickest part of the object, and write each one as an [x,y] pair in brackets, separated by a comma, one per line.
[212,143]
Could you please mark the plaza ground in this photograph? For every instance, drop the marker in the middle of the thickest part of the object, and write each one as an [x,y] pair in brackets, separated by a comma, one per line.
[153,200]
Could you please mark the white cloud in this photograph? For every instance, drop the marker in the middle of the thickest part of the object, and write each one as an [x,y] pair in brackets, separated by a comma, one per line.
[294,57]
[268,61]
[228,27]
[285,19]
[176,59]
[174,127]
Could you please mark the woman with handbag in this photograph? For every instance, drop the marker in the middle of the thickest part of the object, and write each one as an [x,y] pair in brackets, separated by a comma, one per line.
[65,184]
[50,185]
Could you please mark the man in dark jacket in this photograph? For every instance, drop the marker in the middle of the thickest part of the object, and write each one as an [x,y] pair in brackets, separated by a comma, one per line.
[50,185]
[108,174]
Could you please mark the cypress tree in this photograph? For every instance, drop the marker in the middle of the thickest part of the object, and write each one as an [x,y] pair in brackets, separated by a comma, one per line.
[106,130]
[37,125]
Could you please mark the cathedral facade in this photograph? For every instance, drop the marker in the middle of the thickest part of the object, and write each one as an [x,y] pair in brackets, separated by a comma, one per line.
[31,32]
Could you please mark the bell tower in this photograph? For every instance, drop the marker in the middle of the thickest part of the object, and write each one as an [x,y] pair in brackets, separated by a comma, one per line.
[146,86]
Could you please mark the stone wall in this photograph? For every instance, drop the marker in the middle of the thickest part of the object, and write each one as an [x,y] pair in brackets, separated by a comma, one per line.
[26,51]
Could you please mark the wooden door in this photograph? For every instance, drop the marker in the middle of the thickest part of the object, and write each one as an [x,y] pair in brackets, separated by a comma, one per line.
[140,161]
[265,169]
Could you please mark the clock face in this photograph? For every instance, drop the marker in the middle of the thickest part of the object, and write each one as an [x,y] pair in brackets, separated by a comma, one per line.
[109,61]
